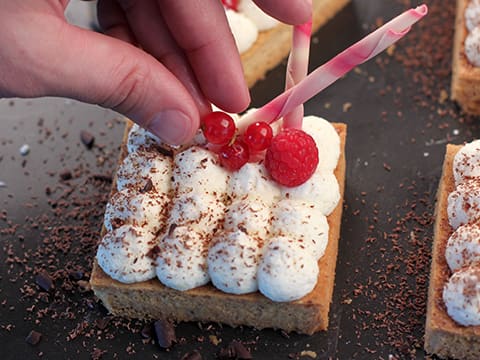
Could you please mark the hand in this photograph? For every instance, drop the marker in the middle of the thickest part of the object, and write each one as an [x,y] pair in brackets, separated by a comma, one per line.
[159,62]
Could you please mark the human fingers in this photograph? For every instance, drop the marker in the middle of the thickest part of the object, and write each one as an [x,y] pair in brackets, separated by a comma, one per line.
[113,21]
[42,55]
[152,34]
[109,72]
[289,11]
[200,29]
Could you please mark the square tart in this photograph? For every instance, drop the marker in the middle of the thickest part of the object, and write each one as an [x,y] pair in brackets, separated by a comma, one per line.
[465,77]
[443,336]
[152,300]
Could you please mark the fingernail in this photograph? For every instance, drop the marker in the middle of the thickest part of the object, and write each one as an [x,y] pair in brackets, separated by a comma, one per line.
[172,126]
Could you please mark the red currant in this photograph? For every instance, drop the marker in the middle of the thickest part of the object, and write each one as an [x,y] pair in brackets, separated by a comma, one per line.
[218,128]
[258,136]
[231,4]
[234,156]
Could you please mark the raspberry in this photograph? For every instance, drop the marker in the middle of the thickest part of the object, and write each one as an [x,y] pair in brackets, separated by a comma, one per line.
[292,157]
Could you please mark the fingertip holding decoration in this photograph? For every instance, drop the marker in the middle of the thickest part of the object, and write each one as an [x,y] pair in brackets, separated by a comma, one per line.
[173,127]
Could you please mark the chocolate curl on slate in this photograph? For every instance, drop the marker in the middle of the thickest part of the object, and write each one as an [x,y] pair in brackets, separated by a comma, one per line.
[193,355]
[75,275]
[164,333]
[66,175]
[33,338]
[147,332]
[101,177]
[102,323]
[235,350]
[87,139]
[44,281]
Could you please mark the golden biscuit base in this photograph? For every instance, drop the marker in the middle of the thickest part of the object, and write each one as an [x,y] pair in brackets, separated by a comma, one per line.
[465,77]
[443,336]
[272,46]
[152,300]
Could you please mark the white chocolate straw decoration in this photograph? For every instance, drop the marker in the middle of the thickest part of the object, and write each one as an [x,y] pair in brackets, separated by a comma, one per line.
[325,75]
[297,69]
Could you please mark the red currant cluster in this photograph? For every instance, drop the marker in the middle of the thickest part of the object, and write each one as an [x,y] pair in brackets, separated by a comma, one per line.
[291,156]
[235,151]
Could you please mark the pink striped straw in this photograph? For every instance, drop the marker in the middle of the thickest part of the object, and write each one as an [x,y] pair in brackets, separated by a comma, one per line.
[297,69]
[325,75]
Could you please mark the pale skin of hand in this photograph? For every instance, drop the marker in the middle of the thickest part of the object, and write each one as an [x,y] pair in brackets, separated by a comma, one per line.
[159,62]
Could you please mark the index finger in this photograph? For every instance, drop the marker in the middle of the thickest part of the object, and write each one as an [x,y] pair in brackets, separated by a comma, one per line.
[200,28]
[292,12]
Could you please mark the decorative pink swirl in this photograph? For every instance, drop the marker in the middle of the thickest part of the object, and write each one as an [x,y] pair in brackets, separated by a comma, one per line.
[325,75]
[297,69]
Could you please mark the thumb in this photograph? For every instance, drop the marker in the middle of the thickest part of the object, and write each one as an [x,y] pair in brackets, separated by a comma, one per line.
[98,69]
